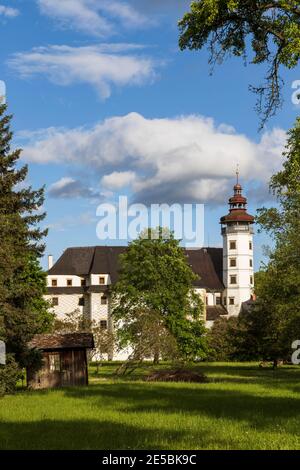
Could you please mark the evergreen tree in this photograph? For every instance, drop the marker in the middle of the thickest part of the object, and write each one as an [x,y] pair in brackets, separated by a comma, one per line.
[23,312]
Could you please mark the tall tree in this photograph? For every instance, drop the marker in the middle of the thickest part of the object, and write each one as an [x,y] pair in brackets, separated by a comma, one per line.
[156,283]
[23,311]
[277,310]
[228,26]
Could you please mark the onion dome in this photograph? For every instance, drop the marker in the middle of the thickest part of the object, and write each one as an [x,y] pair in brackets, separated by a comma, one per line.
[237,207]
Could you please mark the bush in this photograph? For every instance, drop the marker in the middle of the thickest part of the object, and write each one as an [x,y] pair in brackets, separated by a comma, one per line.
[9,375]
[220,341]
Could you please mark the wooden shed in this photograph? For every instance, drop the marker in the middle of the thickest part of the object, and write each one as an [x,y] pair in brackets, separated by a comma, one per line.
[64,360]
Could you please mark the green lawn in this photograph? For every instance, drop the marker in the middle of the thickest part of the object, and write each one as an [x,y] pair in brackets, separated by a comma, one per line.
[242,407]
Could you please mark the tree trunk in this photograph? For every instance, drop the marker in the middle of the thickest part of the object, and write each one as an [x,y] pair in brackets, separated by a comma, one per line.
[156,356]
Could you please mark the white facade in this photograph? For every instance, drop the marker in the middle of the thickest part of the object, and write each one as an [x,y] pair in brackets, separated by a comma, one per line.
[238,275]
[228,283]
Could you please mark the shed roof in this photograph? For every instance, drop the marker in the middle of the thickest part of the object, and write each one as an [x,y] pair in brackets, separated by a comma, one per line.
[62,341]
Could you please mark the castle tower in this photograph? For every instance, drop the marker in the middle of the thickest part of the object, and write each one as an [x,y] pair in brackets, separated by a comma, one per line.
[237,232]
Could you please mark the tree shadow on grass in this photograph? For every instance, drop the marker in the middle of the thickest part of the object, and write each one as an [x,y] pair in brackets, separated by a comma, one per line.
[262,412]
[94,434]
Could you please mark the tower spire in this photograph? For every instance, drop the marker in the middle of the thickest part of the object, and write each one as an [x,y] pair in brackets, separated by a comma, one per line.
[237,173]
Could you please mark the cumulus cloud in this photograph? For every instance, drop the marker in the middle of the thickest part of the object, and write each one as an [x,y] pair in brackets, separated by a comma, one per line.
[8,12]
[118,179]
[184,159]
[96,17]
[100,66]
[69,188]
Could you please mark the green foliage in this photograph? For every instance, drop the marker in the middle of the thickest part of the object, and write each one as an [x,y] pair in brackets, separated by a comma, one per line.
[9,375]
[226,26]
[278,286]
[218,339]
[155,280]
[22,283]
[234,339]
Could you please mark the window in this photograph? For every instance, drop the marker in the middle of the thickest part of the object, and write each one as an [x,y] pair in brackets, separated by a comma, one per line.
[232,245]
[103,300]
[101,280]
[206,300]
[54,301]
[103,324]
[224,301]
[250,263]
[233,262]
[54,362]
[250,245]
[81,301]
[231,300]
[251,279]
[233,280]
[54,282]
[83,282]
[69,282]
[218,300]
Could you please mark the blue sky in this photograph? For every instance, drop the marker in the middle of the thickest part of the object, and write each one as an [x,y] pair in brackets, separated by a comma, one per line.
[104,104]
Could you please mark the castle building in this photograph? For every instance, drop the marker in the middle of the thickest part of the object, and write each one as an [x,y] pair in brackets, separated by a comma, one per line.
[82,277]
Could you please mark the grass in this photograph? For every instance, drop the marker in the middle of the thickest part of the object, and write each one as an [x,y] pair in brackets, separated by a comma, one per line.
[241,407]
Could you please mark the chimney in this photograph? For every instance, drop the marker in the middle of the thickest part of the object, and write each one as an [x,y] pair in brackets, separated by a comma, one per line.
[50,261]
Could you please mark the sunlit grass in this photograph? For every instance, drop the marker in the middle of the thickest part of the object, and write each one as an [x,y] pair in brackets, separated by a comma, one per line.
[241,407]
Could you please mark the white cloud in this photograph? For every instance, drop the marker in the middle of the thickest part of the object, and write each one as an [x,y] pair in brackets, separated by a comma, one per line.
[186,158]
[8,12]
[118,179]
[100,66]
[95,17]
[69,188]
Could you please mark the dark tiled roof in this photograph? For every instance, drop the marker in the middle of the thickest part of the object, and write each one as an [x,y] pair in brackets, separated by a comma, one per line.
[237,215]
[215,311]
[206,263]
[62,341]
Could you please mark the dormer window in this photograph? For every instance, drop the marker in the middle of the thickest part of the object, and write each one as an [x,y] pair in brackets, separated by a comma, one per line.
[101,280]
[69,282]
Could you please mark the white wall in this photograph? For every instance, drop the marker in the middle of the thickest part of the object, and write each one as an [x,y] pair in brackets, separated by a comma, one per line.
[242,290]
